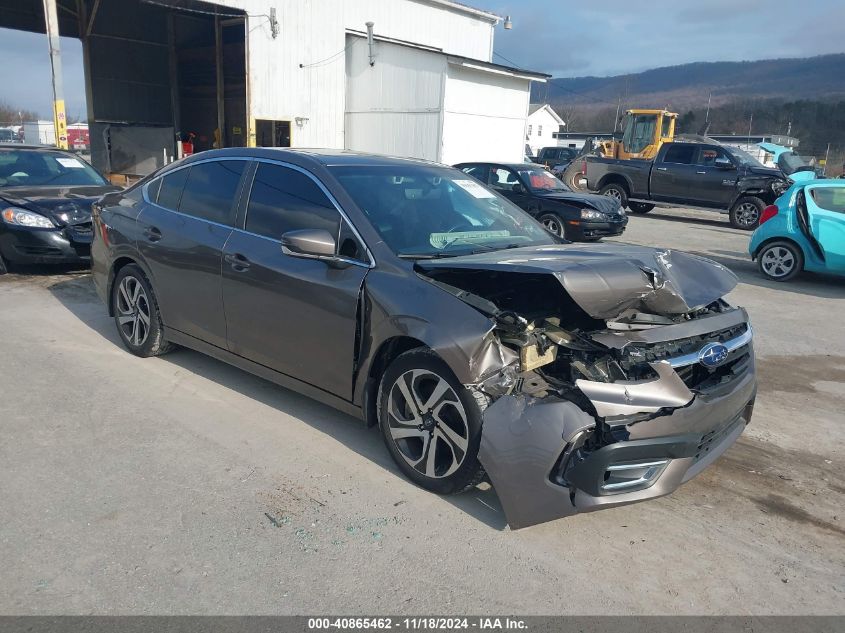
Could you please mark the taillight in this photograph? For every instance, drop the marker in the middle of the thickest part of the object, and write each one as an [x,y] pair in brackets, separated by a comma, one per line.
[768,213]
[584,167]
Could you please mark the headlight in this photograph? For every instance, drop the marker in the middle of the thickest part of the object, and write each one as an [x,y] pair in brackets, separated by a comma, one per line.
[22,217]
[589,214]
[779,186]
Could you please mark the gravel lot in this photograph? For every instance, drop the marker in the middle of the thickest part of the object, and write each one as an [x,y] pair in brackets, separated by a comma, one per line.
[183,485]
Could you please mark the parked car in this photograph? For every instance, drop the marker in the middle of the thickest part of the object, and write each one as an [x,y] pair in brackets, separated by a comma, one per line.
[555,158]
[803,230]
[710,176]
[575,216]
[575,377]
[45,206]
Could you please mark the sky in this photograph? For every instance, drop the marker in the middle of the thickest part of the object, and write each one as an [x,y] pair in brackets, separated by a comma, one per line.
[566,38]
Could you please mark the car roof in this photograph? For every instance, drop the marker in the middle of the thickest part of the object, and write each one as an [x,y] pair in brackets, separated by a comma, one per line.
[321,156]
[509,165]
[823,182]
[37,148]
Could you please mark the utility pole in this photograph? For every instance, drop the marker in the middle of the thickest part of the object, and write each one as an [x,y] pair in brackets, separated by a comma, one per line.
[826,157]
[59,117]
[748,140]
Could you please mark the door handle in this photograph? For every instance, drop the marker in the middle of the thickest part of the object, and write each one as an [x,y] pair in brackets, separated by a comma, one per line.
[701,172]
[661,169]
[238,262]
[152,234]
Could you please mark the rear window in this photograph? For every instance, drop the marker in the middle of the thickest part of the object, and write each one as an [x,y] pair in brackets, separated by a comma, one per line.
[210,190]
[680,154]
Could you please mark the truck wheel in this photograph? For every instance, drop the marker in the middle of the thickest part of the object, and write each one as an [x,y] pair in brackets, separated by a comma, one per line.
[640,207]
[745,214]
[614,190]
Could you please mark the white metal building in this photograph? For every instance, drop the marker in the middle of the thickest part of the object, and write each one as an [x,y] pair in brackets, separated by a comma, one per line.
[542,123]
[300,73]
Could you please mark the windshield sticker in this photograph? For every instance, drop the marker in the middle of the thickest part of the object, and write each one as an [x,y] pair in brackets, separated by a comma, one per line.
[442,240]
[70,163]
[474,188]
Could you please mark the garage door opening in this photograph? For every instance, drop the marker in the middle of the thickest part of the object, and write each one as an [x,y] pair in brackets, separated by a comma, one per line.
[272,133]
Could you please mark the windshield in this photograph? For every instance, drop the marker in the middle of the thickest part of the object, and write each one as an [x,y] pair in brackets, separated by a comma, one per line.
[541,181]
[33,168]
[423,211]
[743,157]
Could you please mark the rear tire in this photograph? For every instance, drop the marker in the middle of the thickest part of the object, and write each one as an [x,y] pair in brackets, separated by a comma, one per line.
[430,423]
[136,313]
[745,214]
[614,190]
[640,207]
[780,261]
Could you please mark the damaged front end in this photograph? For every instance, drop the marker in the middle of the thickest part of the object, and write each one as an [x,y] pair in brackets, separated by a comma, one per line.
[611,378]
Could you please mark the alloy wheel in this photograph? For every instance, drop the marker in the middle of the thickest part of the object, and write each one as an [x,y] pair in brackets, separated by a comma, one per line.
[553,225]
[747,214]
[777,262]
[133,308]
[613,193]
[428,423]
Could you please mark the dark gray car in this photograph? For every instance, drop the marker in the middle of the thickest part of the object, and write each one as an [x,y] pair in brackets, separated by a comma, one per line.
[574,377]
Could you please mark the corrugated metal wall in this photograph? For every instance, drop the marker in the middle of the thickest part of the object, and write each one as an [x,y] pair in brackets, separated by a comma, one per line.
[484,116]
[395,106]
[313,34]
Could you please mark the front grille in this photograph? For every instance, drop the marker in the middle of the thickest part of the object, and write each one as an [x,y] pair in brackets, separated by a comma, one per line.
[85,230]
[38,251]
[695,375]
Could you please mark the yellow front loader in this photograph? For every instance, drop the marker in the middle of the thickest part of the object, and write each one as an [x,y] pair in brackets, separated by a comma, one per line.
[643,132]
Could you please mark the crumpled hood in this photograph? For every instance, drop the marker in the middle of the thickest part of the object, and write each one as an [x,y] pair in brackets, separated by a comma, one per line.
[769,172]
[607,279]
[605,204]
[65,205]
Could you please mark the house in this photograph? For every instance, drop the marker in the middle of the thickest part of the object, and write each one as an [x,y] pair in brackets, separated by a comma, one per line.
[541,123]
[405,77]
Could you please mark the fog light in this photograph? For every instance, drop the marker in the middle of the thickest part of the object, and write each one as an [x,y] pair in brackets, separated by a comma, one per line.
[627,477]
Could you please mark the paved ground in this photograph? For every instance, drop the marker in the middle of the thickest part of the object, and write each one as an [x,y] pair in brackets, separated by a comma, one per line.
[182,485]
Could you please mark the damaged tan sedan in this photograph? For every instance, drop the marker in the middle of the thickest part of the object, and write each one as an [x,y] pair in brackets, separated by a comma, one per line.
[573,377]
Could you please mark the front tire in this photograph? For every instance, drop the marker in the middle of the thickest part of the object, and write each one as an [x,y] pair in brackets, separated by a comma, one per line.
[780,261]
[553,223]
[136,313]
[430,423]
[745,214]
[615,190]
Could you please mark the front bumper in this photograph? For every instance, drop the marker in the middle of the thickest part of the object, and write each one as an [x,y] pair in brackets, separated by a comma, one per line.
[66,245]
[531,449]
[586,230]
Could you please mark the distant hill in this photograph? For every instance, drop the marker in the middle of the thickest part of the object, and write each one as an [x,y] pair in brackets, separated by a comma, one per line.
[687,86]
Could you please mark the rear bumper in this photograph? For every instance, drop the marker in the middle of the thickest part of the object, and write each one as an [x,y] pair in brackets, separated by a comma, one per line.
[531,449]
[66,245]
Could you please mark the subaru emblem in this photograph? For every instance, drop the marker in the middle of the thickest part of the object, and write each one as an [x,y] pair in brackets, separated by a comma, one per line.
[713,355]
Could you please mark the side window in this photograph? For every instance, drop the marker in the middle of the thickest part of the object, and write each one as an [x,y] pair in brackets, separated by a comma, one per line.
[707,156]
[210,190]
[829,198]
[153,189]
[171,189]
[503,179]
[539,130]
[680,154]
[530,129]
[283,199]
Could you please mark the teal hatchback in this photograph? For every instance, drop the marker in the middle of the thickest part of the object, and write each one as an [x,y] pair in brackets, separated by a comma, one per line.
[803,230]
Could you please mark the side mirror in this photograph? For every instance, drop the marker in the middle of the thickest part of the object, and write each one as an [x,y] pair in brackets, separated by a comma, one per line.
[724,164]
[313,243]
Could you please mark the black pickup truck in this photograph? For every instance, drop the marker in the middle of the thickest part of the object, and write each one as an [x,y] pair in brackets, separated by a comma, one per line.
[711,176]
